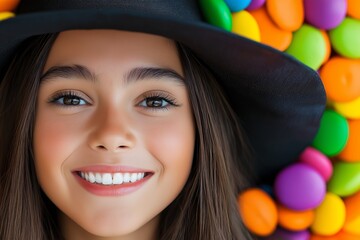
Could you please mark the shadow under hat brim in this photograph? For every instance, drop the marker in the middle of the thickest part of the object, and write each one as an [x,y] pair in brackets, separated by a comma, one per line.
[279,100]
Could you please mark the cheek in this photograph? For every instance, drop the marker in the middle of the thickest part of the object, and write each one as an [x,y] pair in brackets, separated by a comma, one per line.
[54,140]
[172,144]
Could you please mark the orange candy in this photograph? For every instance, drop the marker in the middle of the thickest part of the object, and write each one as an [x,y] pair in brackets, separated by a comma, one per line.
[271,34]
[295,220]
[258,211]
[351,152]
[353,8]
[8,5]
[288,15]
[341,78]
[352,220]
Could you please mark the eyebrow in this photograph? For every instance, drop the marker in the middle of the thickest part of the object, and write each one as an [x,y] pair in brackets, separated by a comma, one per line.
[135,74]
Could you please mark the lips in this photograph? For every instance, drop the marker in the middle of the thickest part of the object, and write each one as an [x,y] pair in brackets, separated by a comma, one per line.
[112,180]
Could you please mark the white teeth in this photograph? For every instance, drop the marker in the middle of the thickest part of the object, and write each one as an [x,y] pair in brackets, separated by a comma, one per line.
[118,178]
[126,177]
[91,177]
[111,178]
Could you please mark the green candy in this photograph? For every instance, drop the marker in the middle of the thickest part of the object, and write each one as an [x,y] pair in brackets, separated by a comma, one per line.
[217,13]
[333,133]
[346,179]
[308,46]
[345,38]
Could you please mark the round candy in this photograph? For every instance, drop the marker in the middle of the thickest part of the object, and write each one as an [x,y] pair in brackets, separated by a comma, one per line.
[329,216]
[333,133]
[342,235]
[217,13]
[288,15]
[258,211]
[345,38]
[341,79]
[295,220]
[299,187]
[327,46]
[255,4]
[352,221]
[244,24]
[325,14]
[351,152]
[308,46]
[318,161]
[349,109]
[346,179]
[281,234]
[271,34]
[6,15]
[353,9]
[8,5]
[237,5]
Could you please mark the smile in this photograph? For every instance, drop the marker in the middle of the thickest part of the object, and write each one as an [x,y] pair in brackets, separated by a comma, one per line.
[112,178]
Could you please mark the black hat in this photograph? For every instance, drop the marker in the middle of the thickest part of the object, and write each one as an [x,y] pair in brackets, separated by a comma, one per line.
[278,99]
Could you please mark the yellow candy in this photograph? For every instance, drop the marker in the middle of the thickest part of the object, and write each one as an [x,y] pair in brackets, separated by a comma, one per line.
[5,15]
[349,109]
[245,25]
[329,216]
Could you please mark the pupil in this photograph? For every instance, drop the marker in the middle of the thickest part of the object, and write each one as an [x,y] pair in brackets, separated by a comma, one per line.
[154,102]
[71,101]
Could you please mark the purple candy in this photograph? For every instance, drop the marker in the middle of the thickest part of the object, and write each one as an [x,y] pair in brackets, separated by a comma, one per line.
[284,234]
[325,14]
[299,187]
[255,4]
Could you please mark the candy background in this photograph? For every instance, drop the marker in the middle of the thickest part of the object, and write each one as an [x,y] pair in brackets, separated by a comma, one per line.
[318,197]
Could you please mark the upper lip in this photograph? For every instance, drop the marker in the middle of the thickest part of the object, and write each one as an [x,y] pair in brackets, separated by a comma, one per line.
[112,169]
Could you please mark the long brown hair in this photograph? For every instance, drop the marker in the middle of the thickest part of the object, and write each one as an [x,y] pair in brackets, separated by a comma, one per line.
[205,209]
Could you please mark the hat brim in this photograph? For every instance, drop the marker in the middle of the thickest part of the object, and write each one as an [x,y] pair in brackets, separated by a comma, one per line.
[279,100]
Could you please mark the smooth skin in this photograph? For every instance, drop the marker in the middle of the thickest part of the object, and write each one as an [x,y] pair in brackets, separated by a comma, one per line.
[104,117]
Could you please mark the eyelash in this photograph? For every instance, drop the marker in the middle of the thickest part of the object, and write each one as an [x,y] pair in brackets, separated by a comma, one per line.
[146,97]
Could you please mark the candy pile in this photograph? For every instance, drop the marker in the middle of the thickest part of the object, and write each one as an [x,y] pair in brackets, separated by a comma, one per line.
[6,8]
[318,197]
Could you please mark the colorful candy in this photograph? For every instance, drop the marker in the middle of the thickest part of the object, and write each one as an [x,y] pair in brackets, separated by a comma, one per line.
[353,9]
[299,187]
[341,79]
[352,221]
[318,161]
[308,46]
[217,13]
[237,5]
[281,234]
[8,5]
[295,220]
[333,133]
[346,179]
[244,24]
[329,216]
[271,34]
[351,152]
[325,14]
[349,109]
[258,211]
[345,38]
[288,15]
[255,4]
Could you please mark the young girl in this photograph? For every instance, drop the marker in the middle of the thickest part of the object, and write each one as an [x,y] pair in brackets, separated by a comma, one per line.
[124,132]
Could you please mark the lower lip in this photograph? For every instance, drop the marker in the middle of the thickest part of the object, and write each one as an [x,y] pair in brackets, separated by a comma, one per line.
[111,190]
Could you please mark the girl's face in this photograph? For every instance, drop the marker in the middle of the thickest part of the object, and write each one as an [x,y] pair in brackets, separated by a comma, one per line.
[114,133]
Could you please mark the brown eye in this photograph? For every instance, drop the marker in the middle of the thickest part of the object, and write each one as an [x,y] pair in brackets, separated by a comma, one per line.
[71,100]
[155,102]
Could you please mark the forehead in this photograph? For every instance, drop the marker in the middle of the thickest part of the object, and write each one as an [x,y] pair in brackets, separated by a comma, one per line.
[109,47]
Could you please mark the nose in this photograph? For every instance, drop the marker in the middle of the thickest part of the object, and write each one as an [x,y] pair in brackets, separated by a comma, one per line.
[111,131]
